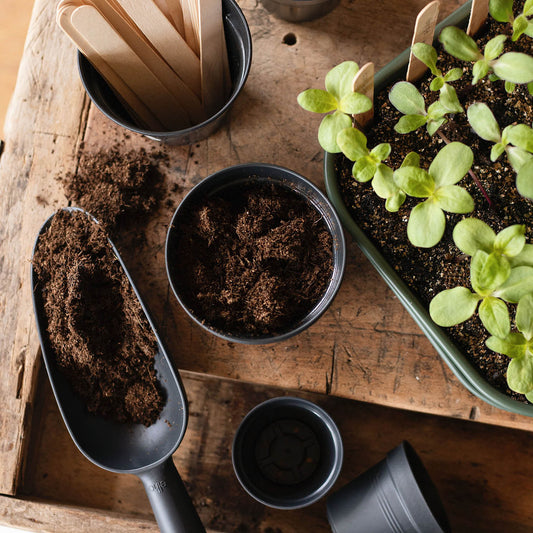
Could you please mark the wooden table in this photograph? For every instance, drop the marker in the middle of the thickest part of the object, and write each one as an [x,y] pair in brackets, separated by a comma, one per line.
[364,359]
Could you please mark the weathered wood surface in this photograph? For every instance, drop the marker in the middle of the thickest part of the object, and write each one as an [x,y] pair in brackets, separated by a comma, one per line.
[366,347]
[482,489]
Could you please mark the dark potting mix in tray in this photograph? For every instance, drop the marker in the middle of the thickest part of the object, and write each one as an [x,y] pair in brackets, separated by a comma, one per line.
[427,271]
[254,259]
[98,332]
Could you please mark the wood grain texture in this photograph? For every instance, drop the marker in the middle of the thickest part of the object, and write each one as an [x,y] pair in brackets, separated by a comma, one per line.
[481,489]
[366,347]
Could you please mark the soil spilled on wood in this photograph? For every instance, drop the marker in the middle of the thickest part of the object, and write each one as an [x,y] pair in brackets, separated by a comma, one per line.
[253,260]
[97,329]
[429,271]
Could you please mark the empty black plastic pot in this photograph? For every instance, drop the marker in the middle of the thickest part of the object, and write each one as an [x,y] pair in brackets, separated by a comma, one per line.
[233,179]
[394,496]
[287,453]
[239,45]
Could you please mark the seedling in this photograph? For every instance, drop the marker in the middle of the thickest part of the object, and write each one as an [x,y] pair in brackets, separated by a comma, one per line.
[500,271]
[513,67]
[516,140]
[406,98]
[519,347]
[502,11]
[339,98]
[438,185]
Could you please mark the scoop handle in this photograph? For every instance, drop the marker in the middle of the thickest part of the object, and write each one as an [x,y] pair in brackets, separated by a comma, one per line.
[171,503]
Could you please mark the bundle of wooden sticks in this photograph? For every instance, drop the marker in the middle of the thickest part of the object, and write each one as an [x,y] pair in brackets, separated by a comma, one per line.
[165,59]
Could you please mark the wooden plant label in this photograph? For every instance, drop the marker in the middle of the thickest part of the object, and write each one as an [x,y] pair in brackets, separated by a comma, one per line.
[423,33]
[478,15]
[363,82]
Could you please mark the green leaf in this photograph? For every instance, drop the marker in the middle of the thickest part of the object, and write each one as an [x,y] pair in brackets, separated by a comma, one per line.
[515,67]
[394,203]
[317,101]
[518,284]
[448,98]
[453,75]
[433,125]
[384,186]
[436,110]
[514,345]
[529,396]
[426,224]
[520,25]
[412,159]
[524,316]
[480,70]
[511,240]
[406,98]
[458,44]
[436,84]
[494,47]
[454,199]
[483,122]
[488,272]
[524,258]
[520,135]
[528,8]
[494,315]
[472,234]
[414,181]
[520,374]
[428,55]
[329,128]
[354,103]
[451,164]
[381,151]
[518,157]
[352,142]
[501,10]
[409,123]
[339,79]
[364,169]
[453,306]
[496,151]
[509,87]
[524,180]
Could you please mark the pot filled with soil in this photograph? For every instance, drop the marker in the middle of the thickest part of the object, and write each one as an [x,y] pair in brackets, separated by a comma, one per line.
[120,398]
[255,253]
[434,244]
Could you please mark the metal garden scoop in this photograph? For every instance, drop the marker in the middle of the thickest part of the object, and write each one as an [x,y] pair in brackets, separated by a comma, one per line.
[129,448]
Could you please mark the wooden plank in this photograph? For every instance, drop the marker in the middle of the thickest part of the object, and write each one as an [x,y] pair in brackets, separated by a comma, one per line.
[481,489]
[43,130]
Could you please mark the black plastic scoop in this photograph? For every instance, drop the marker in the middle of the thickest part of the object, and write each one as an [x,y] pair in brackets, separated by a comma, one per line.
[129,448]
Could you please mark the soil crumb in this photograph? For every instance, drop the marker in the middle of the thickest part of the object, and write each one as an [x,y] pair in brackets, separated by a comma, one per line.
[98,332]
[254,260]
[111,184]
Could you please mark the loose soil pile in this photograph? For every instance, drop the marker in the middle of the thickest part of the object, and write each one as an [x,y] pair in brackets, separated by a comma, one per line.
[97,329]
[429,271]
[254,260]
[112,185]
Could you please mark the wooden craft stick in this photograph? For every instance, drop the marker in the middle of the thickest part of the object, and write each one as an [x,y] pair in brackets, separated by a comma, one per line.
[188,23]
[423,33]
[172,10]
[94,28]
[166,40]
[211,55]
[478,16]
[363,82]
[141,114]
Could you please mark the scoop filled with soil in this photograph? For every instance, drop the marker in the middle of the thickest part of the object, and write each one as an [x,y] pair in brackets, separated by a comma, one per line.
[255,253]
[121,400]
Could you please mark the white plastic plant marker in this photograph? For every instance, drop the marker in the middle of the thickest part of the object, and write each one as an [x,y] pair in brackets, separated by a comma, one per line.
[478,16]
[166,40]
[211,55]
[363,82]
[129,99]
[110,45]
[424,32]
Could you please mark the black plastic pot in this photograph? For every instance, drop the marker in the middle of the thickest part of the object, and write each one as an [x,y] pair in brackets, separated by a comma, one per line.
[287,453]
[299,10]
[237,177]
[239,44]
[394,496]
